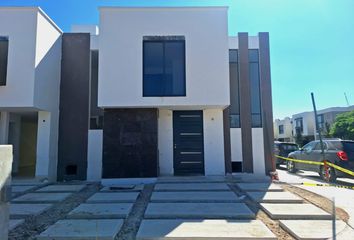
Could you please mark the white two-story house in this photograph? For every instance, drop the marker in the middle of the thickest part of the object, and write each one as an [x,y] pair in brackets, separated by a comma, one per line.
[148,92]
[30,52]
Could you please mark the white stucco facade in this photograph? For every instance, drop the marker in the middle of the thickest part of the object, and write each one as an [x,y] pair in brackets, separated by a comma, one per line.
[94,155]
[121,55]
[236,144]
[213,142]
[214,163]
[258,151]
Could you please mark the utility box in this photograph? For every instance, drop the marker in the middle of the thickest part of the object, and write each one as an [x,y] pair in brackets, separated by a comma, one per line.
[5,188]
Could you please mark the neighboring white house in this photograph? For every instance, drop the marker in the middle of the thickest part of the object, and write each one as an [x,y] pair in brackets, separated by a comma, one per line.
[30,51]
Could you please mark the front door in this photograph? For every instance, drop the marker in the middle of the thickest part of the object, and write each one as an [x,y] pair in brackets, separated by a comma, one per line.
[188,143]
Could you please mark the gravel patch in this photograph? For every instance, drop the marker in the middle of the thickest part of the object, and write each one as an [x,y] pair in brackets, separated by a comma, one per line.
[34,225]
[132,222]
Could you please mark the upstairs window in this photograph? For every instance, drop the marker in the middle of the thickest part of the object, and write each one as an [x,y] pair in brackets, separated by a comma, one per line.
[4,48]
[234,89]
[256,108]
[299,127]
[321,122]
[281,129]
[164,71]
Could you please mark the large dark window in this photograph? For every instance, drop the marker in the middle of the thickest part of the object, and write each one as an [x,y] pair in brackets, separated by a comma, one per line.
[234,89]
[4,48]
[253,57]
[164,66]
[281,129]
[299,126]
[321,122]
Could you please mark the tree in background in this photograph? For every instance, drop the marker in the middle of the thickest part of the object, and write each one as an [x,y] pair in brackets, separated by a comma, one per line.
[343,126]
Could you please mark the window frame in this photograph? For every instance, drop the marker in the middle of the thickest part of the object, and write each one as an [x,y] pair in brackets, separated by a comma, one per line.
[254,58]
[300,119]
[7,39]
[321,122]
[234,115]
[163,40]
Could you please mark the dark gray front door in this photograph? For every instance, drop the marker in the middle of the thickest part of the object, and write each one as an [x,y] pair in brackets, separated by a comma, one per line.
[188,143]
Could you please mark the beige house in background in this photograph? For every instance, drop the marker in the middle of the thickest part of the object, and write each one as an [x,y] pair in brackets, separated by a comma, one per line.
[285,129]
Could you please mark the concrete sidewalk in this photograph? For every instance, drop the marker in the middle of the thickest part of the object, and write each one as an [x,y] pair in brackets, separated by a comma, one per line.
[343,197]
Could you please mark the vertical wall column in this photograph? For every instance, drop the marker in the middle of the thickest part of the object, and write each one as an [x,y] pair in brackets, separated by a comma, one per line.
[227,141]
[74,106]
[245,103]
[4,127]
[5,189]
[165,142]
[43,144]
[213,142]
[266,100]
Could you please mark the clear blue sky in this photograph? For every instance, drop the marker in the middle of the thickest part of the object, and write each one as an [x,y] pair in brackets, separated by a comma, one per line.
[312,41]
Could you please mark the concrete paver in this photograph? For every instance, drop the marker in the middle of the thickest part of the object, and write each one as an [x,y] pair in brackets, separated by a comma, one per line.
[259,187]
[123,188]
[111,197]
[220,196]
[295,211]
[62,188]
[101,210]
[193,179]
[41,197]
[311,229]
[19,189]
[274,197]
[14,223]
[23,209]
[191,187]
[203,229]
[103,229]
[28,181]
[199,210]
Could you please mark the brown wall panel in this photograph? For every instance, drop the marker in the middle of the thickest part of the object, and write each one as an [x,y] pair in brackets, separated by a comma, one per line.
[266,100]
[245,103]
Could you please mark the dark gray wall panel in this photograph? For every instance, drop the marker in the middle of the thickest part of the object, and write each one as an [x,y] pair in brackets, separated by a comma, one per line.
[74,106]
[227,140]
[130,143]
[245,103]
[266,100]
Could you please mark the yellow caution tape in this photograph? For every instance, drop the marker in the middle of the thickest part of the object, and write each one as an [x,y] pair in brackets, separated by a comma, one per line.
[300,161]
[318,163]
[325,185]
[340,168]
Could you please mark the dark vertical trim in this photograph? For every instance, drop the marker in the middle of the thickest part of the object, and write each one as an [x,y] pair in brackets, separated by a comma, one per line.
[74,108]
[266,101]
[227,141]
[245,103]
